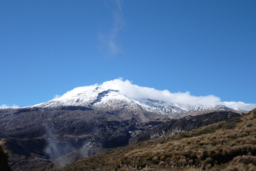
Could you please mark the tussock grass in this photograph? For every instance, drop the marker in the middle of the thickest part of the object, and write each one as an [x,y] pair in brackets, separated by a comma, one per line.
[227,145]
[230,144]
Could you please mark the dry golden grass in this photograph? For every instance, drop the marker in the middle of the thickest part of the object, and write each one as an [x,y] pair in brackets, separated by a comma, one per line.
[228,145]
[231,142]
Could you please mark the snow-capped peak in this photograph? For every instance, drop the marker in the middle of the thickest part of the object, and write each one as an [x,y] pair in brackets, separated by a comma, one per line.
[100,97]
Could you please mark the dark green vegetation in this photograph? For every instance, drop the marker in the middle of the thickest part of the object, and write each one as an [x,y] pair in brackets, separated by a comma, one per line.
[4,166]
[186,123]
[229,124]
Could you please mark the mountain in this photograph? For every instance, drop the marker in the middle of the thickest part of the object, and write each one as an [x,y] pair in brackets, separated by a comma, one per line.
[97,97]
[36,137]
[87,120]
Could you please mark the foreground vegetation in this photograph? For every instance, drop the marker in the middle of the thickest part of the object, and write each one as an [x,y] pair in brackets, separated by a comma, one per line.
[4,166]
[228,146]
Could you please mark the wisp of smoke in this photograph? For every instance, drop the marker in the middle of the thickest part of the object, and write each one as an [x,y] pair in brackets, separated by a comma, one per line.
[58,149]
[55,148]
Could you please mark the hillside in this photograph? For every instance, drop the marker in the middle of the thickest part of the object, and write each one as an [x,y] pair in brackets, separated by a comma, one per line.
[187,123]
[228,145]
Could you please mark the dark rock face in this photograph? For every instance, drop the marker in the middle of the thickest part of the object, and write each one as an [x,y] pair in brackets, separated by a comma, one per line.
[75,123]
[183,124]
[52,132]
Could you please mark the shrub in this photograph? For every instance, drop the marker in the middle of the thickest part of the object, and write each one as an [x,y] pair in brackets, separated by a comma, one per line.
[155,159]
[4,165]
[249,125]
[254,114]
[230,124]
[149,158]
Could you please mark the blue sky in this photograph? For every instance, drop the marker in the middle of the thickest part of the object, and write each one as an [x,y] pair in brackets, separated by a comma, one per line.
[50,47]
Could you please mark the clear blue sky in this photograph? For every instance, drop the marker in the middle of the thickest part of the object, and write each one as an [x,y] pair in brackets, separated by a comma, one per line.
[49,47]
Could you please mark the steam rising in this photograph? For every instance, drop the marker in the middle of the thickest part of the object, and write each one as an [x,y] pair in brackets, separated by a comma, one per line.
[57,149]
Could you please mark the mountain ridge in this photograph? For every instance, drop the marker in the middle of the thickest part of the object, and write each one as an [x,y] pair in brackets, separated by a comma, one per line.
[97,97]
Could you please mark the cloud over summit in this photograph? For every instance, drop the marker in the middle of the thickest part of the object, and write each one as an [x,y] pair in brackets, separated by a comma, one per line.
[134,91]
[137,92]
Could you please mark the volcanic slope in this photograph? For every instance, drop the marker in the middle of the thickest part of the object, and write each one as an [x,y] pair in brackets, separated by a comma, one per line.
[100,98]
[33,147]
[40,135]
[227,145]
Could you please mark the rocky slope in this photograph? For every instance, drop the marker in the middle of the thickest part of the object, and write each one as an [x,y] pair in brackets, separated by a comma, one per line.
[44,134]
[183,124]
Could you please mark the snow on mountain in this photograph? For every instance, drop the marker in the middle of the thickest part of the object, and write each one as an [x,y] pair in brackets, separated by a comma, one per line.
[98,97]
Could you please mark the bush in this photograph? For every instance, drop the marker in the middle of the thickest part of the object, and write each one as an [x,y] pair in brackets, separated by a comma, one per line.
[208,130]
[4,165]
[230,124]
[149,158]
[249,125]
[254,114]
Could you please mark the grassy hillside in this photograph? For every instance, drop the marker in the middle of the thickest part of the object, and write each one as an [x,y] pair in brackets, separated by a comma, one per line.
[228,145]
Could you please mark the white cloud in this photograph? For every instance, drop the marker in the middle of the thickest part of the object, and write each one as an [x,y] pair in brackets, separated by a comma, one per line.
[118,3]
[240,105]
[4,106]
[56,96]
[110,39]
[134,91]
